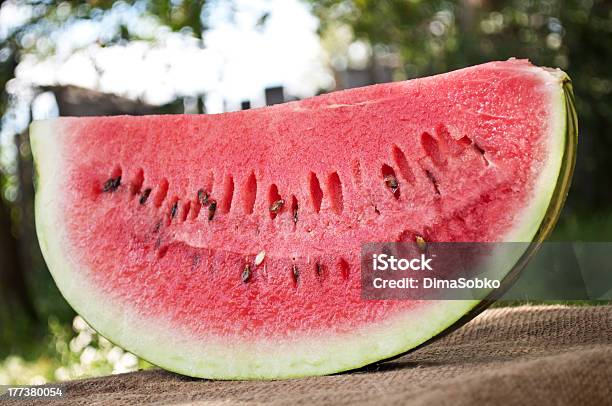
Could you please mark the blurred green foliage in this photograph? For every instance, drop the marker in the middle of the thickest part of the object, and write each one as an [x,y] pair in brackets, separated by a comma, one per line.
[68,352]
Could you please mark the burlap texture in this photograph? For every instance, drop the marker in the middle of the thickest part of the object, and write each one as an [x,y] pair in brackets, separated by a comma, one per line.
[541,355]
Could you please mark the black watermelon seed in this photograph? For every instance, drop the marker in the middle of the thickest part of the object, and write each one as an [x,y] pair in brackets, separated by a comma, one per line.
[203,197]
[211,209]
[392,183]
[112,184]
[144,196]
[433,180]
[174,209]
[296,273]
[246,273]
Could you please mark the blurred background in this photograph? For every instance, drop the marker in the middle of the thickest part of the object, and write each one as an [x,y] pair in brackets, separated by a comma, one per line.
[143,57]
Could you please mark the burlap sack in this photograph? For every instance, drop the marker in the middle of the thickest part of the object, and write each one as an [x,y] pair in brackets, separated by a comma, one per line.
[544,355]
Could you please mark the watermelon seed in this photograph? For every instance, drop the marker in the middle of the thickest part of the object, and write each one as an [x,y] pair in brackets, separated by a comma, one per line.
[277,206]
[203,197]
[112,184]
[174,209]
[260,257]
[433,180]
[319,269]
[376,210]
[392,183]
[144,196]
[481,151]
[275,200]
[211,209]
[246,273]
[294,209]
[421,243]
[295,274]
[390,180]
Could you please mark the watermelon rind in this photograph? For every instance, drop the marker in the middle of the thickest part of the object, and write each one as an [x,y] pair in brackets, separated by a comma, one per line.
[317,354]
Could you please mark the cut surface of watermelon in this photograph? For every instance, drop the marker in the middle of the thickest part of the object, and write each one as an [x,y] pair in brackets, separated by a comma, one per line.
[228,246]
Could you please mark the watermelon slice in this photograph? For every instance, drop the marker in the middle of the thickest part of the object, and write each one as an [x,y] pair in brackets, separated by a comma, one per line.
[228,246]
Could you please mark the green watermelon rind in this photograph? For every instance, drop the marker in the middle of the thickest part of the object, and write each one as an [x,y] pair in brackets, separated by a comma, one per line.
[317,354]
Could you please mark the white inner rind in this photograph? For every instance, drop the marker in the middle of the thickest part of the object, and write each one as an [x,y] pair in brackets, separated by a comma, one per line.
[545,184]
[159,342]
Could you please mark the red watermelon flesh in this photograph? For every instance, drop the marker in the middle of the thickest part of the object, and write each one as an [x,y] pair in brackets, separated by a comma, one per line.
[228,246]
